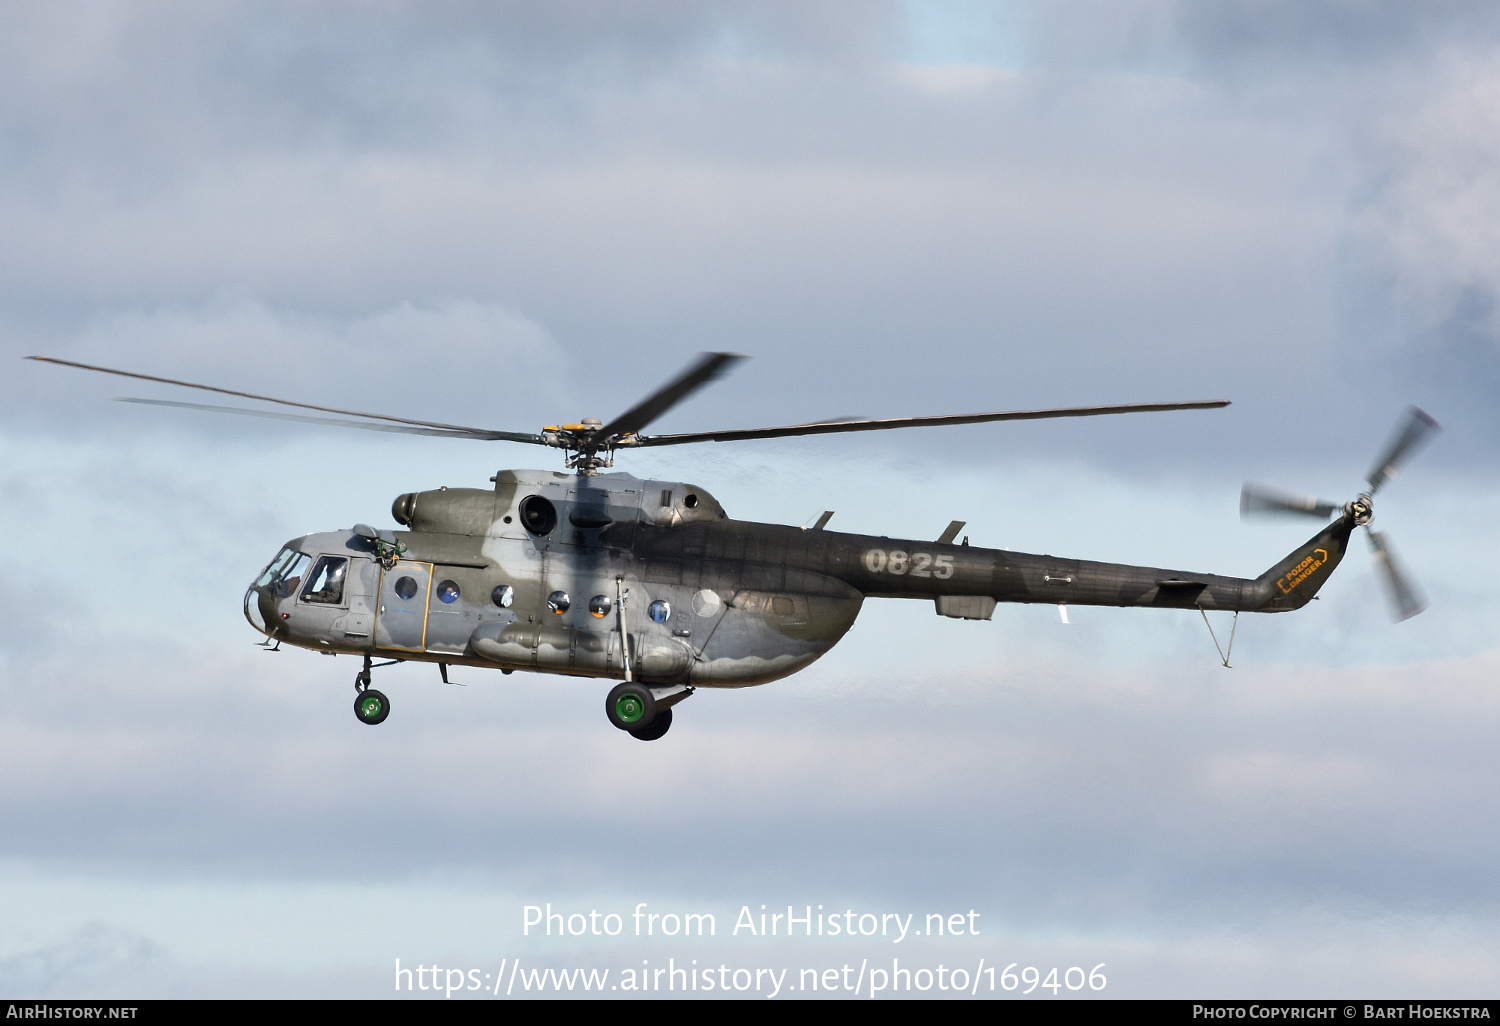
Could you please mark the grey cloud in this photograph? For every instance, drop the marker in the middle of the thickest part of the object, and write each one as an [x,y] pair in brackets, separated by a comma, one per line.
[1097,796]
[96,961]
[828,212]
[1254,43]
[1293,38]
[232,76]
[827,219]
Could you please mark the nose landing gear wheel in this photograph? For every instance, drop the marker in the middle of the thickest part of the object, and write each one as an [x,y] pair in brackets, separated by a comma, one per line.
[656,728]
[371,707]
[630,706]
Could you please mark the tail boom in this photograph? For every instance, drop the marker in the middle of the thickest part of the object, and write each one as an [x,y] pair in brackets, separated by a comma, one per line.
[1024,577]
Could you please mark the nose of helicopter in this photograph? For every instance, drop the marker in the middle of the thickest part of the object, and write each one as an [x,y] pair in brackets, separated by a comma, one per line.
[253,611]
[276,581]
[260,607]
[261,603]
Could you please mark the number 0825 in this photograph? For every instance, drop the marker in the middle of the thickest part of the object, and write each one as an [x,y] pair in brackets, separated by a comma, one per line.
[910,564]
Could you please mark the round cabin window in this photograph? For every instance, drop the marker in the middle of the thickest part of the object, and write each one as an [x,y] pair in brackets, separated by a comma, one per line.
[406,587]
[503,595]
[660,611]
[559,602]
[447,592]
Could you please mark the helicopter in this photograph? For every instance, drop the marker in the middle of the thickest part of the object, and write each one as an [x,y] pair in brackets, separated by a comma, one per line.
[601,574]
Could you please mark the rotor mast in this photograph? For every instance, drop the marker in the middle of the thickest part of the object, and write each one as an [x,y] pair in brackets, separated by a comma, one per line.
[583,450]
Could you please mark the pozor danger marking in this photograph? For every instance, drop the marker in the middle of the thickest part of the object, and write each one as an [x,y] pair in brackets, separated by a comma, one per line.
[1302,571]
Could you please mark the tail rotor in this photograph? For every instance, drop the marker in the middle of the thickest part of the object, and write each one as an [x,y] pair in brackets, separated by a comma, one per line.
[1413,431]
[1406,597]
[1258,500]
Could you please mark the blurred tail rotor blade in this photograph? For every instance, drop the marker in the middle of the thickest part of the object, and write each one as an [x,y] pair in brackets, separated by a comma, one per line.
[1406,597]
[1258,500]
[1414,431]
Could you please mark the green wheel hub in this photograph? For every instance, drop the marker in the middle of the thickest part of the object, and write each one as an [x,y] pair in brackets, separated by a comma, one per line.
[369,707]
[629,708]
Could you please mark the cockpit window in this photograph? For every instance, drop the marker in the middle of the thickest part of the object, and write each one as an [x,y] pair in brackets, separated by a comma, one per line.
[279,564]
[326,583]
[286,573]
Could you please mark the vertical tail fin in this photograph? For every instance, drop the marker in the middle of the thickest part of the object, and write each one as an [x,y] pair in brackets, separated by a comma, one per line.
[1292,583]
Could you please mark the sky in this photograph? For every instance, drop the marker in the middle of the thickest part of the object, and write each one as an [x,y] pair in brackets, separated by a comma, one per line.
[509,214]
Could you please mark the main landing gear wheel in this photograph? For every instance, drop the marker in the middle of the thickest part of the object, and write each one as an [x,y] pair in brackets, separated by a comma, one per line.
[371,706]
[656,728]
[630,706]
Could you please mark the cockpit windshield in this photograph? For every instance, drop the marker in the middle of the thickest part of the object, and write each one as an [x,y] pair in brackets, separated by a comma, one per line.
[284,573]
[273,570]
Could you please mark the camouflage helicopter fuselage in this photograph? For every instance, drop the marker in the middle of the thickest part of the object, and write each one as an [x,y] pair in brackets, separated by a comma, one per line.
[530,576]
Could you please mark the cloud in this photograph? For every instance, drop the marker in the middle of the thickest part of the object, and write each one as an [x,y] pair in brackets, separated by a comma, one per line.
[826,214]
[1188,824]
[96,961]
[1434,212]
[1328,36]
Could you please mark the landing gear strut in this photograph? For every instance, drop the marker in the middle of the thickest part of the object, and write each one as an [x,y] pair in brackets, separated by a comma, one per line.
[370,706]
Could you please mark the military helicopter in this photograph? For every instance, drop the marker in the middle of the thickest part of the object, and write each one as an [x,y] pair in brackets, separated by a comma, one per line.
[594,574]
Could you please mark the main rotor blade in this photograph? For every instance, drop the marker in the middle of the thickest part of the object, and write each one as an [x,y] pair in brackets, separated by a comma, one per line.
[456,428]
[1406,597]
[708,367]
[409,429]
[835,426]
[1414,431]
[1258,500]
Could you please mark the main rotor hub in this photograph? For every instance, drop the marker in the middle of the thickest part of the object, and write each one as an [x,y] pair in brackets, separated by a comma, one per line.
[1362,509]
[583,454]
